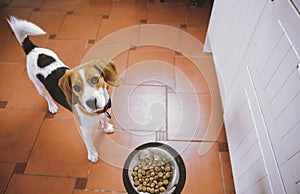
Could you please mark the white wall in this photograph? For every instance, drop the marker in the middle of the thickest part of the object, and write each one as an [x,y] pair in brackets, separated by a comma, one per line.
[256,47]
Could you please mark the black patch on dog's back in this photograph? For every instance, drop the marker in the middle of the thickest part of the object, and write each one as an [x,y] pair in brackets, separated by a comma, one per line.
[51,84]
[44,60]
[28,45]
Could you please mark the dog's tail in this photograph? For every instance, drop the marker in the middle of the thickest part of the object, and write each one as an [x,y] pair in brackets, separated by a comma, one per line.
[22,29]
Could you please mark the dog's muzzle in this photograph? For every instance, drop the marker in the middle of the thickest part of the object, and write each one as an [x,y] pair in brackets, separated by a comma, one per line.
[93,106]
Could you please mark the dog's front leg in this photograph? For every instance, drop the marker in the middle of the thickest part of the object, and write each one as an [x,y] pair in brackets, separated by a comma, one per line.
[87,138]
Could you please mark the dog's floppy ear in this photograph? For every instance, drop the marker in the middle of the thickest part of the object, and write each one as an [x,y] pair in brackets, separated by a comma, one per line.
[65,84]
[108,71]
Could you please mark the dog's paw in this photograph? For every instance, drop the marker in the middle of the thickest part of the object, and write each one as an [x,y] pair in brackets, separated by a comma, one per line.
[109,128]
[93,156]
[53,108]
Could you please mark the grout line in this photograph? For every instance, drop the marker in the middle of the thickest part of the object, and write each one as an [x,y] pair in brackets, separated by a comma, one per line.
[9,180]
[222,173]
[53,176]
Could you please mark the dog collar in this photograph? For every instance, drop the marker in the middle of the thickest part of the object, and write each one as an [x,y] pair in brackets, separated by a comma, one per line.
[105,109]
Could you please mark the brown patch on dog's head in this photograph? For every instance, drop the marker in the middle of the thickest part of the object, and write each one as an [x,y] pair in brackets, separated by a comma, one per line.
[96,73]
[108,71]
[65,83]
[93,76]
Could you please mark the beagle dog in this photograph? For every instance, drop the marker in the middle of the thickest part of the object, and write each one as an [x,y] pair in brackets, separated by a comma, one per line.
[82,90]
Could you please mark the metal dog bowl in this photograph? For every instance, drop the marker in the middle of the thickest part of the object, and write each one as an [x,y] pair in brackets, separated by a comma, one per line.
[156,150]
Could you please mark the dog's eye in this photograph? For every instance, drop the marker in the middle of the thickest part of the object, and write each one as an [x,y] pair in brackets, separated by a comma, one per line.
[94,80]
[77,88]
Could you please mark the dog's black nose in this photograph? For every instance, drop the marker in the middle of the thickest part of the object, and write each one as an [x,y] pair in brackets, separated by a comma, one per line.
[92,103]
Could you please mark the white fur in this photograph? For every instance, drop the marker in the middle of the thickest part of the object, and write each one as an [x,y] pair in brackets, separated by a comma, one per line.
[23,28]
[89,93]
[33,69]
[87,124]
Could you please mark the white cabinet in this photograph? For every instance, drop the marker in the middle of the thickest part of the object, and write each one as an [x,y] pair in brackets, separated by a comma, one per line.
[256,46]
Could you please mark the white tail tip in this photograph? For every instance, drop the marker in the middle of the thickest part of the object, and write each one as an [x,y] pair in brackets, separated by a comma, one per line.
[23,28]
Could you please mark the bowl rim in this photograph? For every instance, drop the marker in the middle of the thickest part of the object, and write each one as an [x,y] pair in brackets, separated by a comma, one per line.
[177,158]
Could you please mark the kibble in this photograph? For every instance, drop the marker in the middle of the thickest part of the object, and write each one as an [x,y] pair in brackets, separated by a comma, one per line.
[152,175]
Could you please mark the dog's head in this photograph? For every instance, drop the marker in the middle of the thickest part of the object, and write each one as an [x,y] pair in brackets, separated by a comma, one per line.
[86,84]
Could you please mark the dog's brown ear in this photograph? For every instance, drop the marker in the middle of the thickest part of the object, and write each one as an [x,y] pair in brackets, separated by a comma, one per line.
[111,75]
[109,72]
[65,84]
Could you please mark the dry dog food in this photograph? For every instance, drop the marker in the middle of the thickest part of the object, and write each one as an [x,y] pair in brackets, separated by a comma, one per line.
[152,174]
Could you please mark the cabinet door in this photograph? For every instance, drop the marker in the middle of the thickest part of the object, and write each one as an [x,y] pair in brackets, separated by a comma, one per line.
[276,79]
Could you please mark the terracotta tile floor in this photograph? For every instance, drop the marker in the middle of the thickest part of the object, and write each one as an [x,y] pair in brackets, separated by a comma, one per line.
[169,93]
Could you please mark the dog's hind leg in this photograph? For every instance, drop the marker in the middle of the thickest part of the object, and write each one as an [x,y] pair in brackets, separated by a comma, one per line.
[52,107]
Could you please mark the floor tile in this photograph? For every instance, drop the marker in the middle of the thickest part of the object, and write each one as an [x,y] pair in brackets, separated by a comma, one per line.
[106,52]
[17,12]
[11,44]
[163,13]
[151,67]
[18,135]
[25,96]
[139,107]
[198,17]
[27,184]
[98,178]
[5,30]
[120,144]
[59,151]
[114,26]
[132,9]
[120,62]
[6,171]
[188,116]
[10,75]
[203,171]
[191,46]
[63,113]
[200,34]
[69,51]
[127,138]
[189,79]
[49,21]
[160,35]
[147,53]
[26,3]
[86,27]
[56,5]
[93,7]
[150,72]
[206,66]
[5,2]
[154,68]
